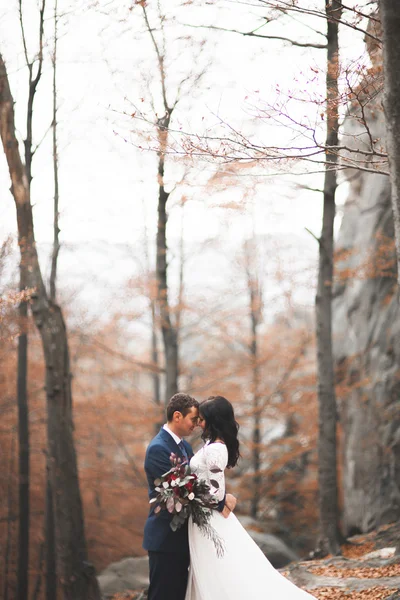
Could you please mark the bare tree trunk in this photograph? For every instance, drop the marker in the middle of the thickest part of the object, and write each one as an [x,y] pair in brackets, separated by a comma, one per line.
[22,368]
[256,429]
[154,355]
[390,14]
[51,564]
[56,230]
[76,575]
[256,423]
[7,550]
[99,456]
[50,546]
[181,292]
[38,584]
[179,309]
[255,307]
[169,332]
[154,341]
[23,442]
[327,468]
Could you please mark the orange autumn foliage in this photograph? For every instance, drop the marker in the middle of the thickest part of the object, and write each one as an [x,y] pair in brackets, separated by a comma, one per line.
[115,418]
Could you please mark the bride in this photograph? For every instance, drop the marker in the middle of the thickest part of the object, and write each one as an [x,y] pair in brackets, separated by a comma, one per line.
[243,571]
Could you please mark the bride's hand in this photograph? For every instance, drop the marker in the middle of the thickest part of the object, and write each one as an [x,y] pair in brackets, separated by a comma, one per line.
[230,503]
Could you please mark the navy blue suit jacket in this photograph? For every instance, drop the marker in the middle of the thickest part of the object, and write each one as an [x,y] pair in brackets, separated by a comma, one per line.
[158,535]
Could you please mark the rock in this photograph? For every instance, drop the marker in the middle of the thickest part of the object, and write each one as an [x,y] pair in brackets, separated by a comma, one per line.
[277,552]
[133,573]
[329,575]
[366,330]
[382,553]
[127,574]
[274,549]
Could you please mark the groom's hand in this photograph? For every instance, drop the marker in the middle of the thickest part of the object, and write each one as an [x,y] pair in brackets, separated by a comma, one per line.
[230,503]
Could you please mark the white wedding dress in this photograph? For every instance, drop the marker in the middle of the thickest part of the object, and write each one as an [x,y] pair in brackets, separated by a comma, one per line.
[243,572]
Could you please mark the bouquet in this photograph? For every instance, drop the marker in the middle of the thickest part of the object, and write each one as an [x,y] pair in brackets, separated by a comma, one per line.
[183,494]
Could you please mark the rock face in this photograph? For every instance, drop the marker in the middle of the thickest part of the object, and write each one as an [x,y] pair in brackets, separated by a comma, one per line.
[366,329]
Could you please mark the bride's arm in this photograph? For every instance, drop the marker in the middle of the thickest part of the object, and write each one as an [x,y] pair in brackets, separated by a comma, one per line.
[216,458]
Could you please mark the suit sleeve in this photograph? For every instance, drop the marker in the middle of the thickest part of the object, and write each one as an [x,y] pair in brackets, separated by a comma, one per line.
[157,462]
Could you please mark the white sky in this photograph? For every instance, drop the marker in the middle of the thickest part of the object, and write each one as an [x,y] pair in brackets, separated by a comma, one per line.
[104,57]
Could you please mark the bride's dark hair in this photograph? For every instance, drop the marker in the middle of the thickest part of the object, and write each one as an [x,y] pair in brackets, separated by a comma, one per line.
[220,423]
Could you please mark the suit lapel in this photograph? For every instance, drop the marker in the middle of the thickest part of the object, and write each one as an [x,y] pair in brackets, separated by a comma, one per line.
[170,442]
[172,445]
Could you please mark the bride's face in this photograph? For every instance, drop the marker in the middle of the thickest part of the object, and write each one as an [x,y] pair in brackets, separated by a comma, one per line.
[201,422]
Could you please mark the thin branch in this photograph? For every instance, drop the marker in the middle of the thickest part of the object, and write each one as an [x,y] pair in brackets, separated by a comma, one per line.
[264,152]
[126,358]
[288,372]
[258,35]
[139,475]
[21,20]
[40,142]
[354,10]
[41,33]
[309,230]
[309,188]
[160,58]
[321,15]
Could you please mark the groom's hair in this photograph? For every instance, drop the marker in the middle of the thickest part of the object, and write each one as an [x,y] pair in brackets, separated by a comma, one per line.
[181,403]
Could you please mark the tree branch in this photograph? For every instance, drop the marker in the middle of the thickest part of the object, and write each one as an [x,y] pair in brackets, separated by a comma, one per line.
[258,35]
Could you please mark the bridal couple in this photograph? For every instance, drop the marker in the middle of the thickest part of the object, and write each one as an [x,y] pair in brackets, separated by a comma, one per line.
[184,564]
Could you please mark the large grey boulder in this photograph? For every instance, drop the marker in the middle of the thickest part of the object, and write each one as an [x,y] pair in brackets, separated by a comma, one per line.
[277,552]
[126,574]
[366,329]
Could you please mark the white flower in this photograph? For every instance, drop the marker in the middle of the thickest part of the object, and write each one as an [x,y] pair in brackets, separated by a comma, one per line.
[157,489]
[191,496]
[173,483]
[165,485]
[177,481]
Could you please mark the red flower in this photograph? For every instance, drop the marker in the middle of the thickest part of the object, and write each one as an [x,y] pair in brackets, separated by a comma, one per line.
[189,486]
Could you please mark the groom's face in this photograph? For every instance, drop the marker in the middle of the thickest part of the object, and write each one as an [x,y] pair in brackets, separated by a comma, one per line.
[187,423]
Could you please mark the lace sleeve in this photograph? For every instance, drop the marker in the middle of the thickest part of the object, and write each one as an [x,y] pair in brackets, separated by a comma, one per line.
[216,457]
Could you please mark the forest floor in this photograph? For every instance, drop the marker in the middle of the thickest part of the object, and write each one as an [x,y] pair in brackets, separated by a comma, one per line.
[366,570]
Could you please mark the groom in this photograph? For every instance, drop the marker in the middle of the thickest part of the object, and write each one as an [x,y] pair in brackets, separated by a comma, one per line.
[169,550]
